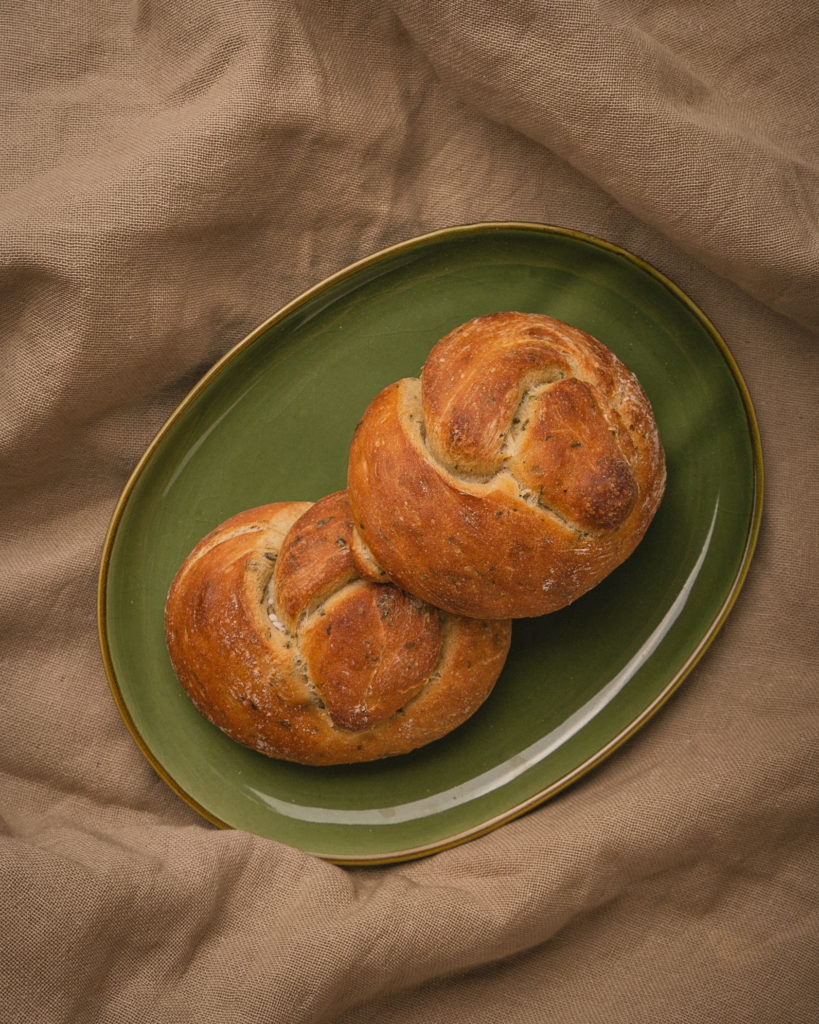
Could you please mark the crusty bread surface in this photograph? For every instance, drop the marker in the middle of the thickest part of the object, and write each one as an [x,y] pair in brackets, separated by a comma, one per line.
[521,468]
[282,645]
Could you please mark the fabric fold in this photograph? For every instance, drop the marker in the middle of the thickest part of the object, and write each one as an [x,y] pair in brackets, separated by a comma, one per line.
[639,103]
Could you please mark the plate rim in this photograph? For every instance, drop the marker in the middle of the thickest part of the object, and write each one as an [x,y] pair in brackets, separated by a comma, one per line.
[523,807]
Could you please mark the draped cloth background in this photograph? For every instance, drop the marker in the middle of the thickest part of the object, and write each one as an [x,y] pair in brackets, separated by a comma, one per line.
[171,174]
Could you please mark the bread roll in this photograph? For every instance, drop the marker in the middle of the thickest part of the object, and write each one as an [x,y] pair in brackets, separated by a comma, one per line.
[517,473]
[280,643]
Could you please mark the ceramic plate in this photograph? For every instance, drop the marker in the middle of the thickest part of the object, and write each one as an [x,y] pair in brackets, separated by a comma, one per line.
[273,420]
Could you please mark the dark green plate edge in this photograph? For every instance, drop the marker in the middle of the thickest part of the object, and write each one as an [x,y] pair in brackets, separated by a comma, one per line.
[647,713]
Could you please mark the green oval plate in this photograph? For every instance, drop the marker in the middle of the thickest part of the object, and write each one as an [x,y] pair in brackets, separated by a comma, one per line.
[272,420]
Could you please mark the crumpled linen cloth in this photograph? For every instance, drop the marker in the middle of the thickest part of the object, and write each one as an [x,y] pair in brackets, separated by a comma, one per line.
[171,174]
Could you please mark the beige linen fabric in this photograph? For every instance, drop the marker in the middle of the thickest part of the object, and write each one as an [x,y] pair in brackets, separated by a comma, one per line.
[173,173]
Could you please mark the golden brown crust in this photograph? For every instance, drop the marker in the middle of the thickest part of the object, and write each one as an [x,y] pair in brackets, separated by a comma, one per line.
[280,643]
[522,468]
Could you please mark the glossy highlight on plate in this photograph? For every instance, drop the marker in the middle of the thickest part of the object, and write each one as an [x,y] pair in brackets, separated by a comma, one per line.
[569,695]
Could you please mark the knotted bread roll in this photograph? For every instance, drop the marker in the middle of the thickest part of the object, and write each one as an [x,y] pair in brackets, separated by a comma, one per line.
[280,643]
[520,470]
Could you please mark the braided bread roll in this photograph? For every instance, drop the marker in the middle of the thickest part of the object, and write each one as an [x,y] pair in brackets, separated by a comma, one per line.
[518,472]
[280,643]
